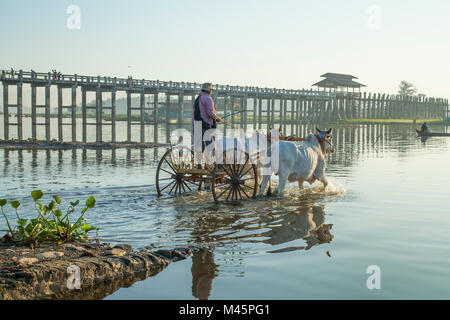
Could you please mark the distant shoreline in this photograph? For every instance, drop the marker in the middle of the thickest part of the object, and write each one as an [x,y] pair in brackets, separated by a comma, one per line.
[393,121]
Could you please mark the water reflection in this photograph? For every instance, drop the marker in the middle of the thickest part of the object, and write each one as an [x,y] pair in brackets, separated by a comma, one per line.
[204,270]
[351,142]
[306,223]
[128,211]
[273,226]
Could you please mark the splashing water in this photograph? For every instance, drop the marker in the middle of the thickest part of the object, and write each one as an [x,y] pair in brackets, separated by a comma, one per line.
[334,188]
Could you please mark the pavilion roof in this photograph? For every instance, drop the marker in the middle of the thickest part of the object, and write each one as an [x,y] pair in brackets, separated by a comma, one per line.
[334,80]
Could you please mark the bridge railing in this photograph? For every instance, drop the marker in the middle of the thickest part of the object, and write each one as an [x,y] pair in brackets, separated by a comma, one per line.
[59,78]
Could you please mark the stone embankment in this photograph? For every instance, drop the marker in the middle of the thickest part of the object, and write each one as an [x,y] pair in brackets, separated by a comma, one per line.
[78,271]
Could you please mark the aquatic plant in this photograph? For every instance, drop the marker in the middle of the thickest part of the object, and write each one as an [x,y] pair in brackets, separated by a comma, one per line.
[51,225]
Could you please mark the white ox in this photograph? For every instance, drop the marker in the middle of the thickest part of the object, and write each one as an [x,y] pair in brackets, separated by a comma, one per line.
[300,162]
[242,145]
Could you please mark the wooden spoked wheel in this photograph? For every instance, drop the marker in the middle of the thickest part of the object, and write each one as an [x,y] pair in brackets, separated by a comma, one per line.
[174,175]
[235,180]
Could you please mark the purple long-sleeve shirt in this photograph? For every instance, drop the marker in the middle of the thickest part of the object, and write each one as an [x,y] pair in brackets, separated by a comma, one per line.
[207,110]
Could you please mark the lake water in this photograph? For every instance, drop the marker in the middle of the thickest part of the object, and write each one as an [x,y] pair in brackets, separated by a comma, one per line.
[387,205]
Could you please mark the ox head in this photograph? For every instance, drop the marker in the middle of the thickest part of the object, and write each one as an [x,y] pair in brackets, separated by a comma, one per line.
[325,140]
[324,233]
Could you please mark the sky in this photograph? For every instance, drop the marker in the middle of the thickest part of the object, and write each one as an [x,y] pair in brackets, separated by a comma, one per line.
[282,44]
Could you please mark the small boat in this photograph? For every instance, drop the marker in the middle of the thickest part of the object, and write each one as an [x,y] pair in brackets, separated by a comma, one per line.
[432,134]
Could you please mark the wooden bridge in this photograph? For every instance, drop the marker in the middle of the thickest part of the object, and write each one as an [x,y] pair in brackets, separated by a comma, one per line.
[168,102]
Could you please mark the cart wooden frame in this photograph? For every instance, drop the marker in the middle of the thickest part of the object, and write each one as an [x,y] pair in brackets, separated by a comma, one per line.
[231,181]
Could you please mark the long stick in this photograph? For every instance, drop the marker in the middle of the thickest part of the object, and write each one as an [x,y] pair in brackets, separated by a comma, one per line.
[231,114]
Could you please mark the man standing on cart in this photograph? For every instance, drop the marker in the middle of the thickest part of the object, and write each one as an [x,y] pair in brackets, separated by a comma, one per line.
[204,117]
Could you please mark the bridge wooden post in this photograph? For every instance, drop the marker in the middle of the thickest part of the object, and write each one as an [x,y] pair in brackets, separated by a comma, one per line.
[369,106]
[60,114]
[47,112]
[84,113]
[341,108]
[353,107]
[266,112]
[362,106]
[349,107]
[167,117]
[280,108]
[306,109]
[346,107]
[113,115]
[287,105]
[352,110]
[19,109]
[5,111]
[362,114]
[225,107]
[378,107]
[297,116]
[142,116]
[260,113]
[375,106]
[312,109]
[74,112]
[99,114]
[283,112]
[128,115]
[232,111]
[330,108]
[293,115]
[155,117]
[255,107]
[243,114]
[33,113]
[272,115]
[319,111]
[180,108]
[300,110]
[246,111]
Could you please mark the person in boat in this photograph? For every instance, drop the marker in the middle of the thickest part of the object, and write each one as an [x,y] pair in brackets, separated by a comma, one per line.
[424,127]
[204,111]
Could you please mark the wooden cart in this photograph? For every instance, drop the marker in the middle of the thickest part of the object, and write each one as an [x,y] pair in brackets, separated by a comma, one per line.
[236,180]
